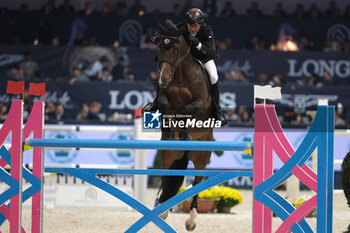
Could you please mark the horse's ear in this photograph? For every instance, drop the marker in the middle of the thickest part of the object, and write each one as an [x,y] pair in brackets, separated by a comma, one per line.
[161,28]
[169,23]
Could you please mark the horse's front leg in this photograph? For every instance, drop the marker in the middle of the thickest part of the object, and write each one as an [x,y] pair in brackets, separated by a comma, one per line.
[167,132]
[195,108]
[200,160]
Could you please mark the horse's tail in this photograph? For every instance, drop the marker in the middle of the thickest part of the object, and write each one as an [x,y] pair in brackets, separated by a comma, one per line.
[345,176]
[171,184]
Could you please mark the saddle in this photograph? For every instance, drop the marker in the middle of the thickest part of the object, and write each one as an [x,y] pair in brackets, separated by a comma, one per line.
[206,74]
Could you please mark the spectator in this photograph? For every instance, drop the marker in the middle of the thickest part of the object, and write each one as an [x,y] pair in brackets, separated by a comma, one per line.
[257,42]
[231,115]
[122,8]
[332,45]
[105,75]
[223,44]
[55,41]
[243,115]
[11,36]
[346,46]
[177,11]
[146,42]
[333,12]
[328,79]
[210,7]
[59,112]
[23,9]
[137,8]
[120,71]
[316,81]
[88,10]
[188,5]
[14,74]
[263,79]
[83,113]
[277,80]
[94,112]
[3,111]
[50,111]
[314,12]
[228,10]
[66,8]
[153,77]
[305,44]
[254,10]
[48,8]
[78,76]
[236,77]
[346,14]
[81,39]
[29,66]
[27,104]
[106,9]
[45,32]
[279,12]
[299,12]
[305,81]
[95,67]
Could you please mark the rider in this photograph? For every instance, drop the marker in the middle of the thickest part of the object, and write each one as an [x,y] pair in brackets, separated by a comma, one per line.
[201,38]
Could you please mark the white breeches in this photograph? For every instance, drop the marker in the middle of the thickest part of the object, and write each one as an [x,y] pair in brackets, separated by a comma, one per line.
[211,67]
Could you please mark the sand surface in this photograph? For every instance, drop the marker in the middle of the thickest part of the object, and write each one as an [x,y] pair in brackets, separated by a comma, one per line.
[109,220]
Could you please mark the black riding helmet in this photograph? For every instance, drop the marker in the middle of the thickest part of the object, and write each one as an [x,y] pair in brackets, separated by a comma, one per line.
[194,16]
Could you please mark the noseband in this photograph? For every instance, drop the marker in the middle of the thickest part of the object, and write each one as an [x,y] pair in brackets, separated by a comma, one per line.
[174,40]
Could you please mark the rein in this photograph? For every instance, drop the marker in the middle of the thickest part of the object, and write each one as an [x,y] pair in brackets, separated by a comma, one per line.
[177,61]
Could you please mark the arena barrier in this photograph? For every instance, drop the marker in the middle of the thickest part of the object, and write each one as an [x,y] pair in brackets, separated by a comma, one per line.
[268,137]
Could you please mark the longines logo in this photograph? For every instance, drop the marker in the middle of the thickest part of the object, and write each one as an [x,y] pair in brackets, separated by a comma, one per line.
[304,101]
[137,99]
[130,33]
[339,32]
[339,68]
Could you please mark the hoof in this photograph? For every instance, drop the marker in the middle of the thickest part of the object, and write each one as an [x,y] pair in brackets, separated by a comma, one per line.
[190,227]
[164,215]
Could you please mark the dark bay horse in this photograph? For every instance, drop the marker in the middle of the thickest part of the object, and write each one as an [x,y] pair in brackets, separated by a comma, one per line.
[183,92]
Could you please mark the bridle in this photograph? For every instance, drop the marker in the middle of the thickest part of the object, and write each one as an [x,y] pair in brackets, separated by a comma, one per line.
[173,40]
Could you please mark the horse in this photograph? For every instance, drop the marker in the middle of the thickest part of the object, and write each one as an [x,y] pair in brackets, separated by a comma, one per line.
[183,91]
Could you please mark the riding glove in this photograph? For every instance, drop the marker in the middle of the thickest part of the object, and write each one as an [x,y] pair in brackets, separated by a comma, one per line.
[193,40]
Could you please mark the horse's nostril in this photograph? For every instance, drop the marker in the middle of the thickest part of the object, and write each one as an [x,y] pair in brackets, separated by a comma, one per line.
[163,81]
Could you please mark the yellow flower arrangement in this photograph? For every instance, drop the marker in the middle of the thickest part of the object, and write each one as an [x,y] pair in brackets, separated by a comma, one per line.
[206,194]
[224,196]
[227,197]
[298,202]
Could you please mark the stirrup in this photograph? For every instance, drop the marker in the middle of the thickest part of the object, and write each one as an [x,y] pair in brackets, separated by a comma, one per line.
[220,117]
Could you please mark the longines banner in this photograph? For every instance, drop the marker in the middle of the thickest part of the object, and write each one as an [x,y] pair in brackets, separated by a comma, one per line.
[55,62]
[125,97]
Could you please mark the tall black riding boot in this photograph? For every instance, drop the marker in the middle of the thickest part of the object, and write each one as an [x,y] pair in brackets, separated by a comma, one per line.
[215,94]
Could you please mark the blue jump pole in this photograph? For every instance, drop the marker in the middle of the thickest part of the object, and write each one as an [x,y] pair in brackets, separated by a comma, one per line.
[140,144]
